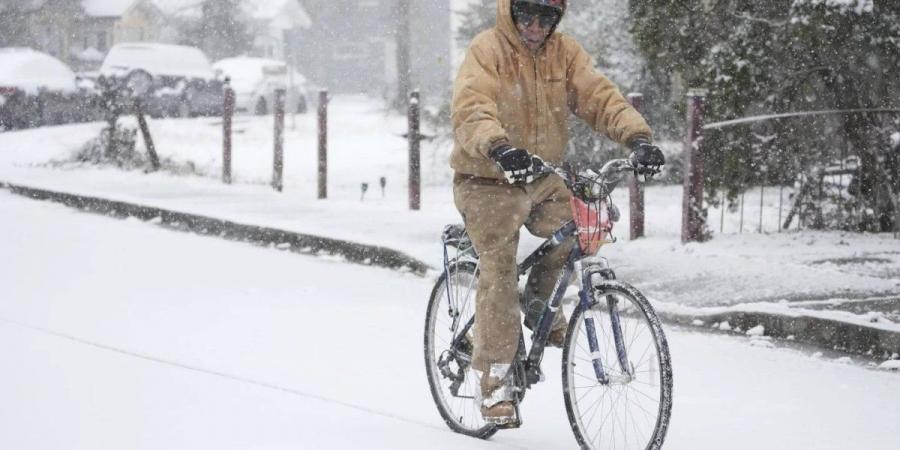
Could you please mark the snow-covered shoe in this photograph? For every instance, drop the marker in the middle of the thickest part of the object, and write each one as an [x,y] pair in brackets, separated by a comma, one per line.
[497,397]
[503,414]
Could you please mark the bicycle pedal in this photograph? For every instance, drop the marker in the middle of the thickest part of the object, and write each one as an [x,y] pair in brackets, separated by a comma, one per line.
[505,423]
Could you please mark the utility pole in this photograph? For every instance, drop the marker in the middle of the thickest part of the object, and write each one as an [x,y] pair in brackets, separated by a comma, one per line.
[404,67]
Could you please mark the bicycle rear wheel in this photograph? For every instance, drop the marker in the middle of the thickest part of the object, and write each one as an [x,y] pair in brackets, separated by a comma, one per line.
[628,412]
[448,351]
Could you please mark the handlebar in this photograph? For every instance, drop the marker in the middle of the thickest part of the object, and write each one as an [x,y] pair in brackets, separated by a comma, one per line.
[590,184]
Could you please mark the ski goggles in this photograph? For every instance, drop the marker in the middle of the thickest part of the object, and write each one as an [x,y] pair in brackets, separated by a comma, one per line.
[526,13]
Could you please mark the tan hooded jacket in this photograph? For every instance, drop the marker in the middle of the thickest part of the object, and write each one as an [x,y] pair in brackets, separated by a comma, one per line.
[505,92]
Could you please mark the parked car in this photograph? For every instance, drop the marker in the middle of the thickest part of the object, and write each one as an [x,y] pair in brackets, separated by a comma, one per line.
[176,80]
[254,81]
[35,89]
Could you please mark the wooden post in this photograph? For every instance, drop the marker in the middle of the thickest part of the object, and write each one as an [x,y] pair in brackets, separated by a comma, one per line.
[227,114]
[414,140]
[692,220]
[145,131]
[278,161]
[635,188]
[323,144]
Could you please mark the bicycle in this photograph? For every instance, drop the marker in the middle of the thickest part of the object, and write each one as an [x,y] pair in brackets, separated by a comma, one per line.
[616,368]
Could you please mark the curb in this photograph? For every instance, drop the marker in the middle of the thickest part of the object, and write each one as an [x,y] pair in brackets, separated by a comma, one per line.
[832,334]
[208,226]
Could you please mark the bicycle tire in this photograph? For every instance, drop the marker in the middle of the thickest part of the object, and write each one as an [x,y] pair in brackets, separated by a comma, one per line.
[461,414]
[585,397]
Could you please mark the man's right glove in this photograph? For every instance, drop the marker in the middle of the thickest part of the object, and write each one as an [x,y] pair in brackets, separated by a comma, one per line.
[517,164]
[646,158]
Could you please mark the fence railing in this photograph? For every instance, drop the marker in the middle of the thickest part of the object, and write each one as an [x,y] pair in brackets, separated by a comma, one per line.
[819,196]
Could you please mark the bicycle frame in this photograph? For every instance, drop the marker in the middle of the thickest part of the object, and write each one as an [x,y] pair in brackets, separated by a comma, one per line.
[593,267]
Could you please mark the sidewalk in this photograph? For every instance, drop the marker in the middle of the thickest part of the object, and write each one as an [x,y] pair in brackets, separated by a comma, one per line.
[830,284]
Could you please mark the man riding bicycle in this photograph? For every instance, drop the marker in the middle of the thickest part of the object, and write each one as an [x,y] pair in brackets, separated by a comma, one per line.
[513,93]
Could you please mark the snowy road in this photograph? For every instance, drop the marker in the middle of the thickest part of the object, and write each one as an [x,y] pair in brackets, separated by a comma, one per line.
[120,335]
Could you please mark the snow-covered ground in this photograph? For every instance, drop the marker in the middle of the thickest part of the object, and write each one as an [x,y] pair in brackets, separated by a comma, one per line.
[118,334]
[366,144]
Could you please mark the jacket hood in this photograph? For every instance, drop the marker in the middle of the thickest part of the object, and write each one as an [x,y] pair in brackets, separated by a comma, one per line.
[508,28]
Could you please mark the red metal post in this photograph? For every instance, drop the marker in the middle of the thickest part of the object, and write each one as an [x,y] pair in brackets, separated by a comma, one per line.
[635,188]
[693,221]
[227,114]
[278,172]
[414,160]
[323,144]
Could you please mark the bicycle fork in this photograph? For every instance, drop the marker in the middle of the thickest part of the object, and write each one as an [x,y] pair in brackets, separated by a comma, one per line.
[600,268]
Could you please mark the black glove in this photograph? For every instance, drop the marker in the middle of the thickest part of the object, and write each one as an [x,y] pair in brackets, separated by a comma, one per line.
[517,164]
[646,158]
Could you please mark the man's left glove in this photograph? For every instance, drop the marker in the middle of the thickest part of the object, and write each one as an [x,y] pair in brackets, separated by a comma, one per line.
[517,164]
[646,158]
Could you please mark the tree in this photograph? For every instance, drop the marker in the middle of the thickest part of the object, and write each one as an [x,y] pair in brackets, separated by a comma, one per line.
[478,17]
[13,26]
[775,56]
[404,64]
[221,32]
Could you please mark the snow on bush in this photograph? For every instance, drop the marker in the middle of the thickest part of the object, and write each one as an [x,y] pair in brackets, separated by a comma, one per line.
[758,330]
[855,6]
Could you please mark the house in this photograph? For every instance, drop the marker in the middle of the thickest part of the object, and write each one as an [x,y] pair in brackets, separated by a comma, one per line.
[351,46]
[79,32]
[46,25]
[109,22]
[275,23]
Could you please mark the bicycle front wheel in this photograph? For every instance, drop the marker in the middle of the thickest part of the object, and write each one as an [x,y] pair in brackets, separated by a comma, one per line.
[630,411]
[448,351]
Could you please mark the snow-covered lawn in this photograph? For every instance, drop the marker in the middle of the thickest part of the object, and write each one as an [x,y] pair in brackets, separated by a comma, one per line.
[119,334]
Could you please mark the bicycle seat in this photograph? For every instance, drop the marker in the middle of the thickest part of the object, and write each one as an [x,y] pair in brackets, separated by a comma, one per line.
[455,235]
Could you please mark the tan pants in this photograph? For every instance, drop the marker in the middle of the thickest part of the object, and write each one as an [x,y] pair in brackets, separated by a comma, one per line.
[493,212]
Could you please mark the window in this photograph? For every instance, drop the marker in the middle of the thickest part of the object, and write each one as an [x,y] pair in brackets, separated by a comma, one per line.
[101,41]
